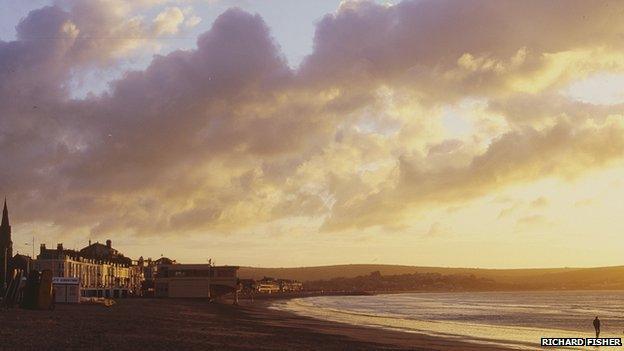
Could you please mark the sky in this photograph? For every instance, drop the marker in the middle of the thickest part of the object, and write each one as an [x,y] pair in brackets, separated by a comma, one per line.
[297,133]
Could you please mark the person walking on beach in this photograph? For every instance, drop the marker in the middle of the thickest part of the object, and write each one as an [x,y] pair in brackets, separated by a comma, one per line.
[597,326]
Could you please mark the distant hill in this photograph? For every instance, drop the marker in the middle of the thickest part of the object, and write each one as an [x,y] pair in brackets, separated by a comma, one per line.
[376,282]
[539,278]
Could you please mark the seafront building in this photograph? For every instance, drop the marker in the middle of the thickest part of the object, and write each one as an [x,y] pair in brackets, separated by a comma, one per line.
[195,280]
[102,270]
[149,268]
[268,285]
[289,285]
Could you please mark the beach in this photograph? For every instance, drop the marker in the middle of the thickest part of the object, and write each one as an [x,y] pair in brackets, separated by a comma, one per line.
[189,324]
[513,319]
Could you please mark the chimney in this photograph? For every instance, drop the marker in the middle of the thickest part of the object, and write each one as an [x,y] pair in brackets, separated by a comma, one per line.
[89,242]
[59,247]
[109,243]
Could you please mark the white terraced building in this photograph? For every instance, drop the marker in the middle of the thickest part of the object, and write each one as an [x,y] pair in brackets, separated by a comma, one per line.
[103,272]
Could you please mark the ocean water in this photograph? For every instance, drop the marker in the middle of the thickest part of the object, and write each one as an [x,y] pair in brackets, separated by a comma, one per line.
[511,319]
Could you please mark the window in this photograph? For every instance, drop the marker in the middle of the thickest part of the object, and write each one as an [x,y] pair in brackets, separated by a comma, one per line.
[226,273]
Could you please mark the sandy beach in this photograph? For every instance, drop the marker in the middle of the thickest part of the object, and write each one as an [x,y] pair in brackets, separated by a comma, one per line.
[168,324]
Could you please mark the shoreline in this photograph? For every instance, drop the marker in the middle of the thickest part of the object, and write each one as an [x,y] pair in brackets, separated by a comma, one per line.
[164,324]
[369,335]
[499,336]
[304,294]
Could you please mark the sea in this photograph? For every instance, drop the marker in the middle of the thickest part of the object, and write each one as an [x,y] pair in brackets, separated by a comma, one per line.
[510,319]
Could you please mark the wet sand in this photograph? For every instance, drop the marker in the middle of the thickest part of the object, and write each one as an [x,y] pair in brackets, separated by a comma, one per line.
[172,324]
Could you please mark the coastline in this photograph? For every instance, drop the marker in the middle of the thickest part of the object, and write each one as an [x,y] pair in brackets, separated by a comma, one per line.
[518,324]
[164,324]
[373,338]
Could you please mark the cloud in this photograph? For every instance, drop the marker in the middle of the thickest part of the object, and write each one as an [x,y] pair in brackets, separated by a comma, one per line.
[226,136]
[533,222]
[506,212]
[168,21]
[539,202]
[544,108]
[97,149]
[104,31]
[564,151]
[192,21]
[480,48]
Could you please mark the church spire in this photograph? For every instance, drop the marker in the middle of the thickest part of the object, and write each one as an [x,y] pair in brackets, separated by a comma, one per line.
[6,245]
[5,215]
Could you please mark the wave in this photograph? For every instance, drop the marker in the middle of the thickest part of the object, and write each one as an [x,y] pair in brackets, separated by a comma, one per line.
[517,321]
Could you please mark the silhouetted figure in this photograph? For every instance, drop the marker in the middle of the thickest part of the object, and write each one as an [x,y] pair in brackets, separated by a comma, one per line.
[597,326]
